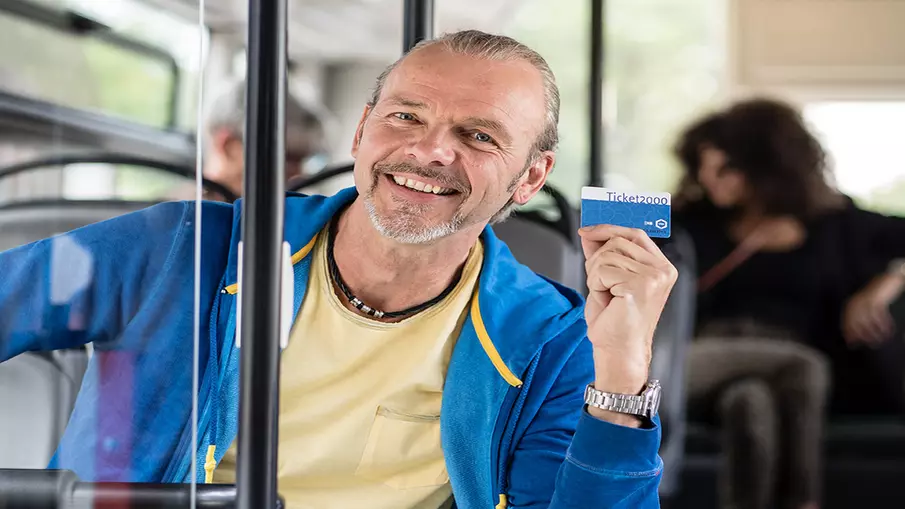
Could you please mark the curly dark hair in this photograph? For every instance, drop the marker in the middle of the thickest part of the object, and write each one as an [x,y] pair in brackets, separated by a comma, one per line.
[768,142]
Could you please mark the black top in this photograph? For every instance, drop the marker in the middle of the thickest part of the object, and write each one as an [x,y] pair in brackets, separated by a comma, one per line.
[802,290]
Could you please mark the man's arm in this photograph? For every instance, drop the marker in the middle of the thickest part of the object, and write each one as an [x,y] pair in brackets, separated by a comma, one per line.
[84,285]
[612,459]
[569,459]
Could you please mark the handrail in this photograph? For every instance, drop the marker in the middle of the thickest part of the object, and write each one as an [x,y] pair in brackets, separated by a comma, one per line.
[302,181]
[84,127]
[43,489]
[260,298]
[417,23]
[112,158]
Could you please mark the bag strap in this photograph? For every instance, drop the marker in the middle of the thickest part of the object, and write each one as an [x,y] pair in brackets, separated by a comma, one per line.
[750,245]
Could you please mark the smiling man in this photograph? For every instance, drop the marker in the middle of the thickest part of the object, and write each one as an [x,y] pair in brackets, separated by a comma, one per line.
[425,366]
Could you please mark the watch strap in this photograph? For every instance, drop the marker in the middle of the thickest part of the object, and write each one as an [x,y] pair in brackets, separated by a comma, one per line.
[622,403]
[646,404]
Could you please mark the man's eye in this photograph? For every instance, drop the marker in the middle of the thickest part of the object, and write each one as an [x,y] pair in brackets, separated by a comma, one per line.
[483,137]
[404,116]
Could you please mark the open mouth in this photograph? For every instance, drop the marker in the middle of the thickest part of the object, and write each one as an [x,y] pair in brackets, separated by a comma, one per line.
[417,185]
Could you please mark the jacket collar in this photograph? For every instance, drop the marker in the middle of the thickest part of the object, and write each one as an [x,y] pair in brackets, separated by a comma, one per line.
[514,311]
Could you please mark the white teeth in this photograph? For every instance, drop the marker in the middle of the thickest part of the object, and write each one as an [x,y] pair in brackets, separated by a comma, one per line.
[420,186]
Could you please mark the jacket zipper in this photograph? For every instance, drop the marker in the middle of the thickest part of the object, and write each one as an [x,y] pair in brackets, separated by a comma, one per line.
[515,410]
[184,446]
[215,371]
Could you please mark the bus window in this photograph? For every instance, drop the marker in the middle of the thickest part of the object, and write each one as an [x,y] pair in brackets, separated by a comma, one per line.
[112,58]
[864,139]
[664,64]
[129,90]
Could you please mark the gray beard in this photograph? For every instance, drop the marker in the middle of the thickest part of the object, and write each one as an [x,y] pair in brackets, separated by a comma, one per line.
[404,227]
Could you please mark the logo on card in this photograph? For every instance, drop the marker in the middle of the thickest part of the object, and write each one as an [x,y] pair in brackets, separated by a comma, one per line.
[661,223]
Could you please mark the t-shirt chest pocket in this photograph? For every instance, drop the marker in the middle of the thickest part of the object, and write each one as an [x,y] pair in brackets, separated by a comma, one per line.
[403,450]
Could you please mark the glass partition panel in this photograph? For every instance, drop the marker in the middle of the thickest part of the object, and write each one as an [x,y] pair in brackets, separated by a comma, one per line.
[108,336]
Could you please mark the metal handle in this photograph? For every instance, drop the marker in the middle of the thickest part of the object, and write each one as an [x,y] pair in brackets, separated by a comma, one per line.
[61,489]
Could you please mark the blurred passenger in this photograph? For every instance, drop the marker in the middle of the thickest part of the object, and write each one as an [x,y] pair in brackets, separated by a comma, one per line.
[792,274]
[224,155]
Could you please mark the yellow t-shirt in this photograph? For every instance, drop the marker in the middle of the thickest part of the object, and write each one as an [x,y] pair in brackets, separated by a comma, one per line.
[360,401]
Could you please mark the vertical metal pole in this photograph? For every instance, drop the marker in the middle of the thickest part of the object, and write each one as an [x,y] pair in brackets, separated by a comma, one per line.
[597,141]
[417,23]
[262,236]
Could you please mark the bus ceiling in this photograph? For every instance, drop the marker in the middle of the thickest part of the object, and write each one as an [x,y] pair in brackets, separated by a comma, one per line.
[312,24]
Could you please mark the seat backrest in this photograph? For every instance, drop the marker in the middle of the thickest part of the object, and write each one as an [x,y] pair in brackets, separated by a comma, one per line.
[671,341]
[37,394]
[38,390]
[26,223]
[544,250]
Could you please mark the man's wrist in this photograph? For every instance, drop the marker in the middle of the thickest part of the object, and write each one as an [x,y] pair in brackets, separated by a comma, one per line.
[619,375]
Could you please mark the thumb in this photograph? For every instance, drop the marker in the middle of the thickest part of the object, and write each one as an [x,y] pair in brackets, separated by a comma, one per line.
[599,298]
[589,247]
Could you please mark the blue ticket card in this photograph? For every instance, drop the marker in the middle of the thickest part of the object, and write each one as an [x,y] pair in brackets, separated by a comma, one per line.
[646,211]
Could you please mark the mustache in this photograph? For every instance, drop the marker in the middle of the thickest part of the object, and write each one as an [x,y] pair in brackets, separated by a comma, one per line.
[442,177]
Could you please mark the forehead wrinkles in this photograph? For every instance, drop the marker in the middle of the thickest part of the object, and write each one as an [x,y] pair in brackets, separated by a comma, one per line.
[456,83]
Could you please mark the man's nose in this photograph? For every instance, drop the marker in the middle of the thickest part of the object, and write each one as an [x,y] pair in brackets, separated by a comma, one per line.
[435,147]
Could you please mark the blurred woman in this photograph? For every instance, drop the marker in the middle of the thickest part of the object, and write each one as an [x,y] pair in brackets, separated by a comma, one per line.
[792,274]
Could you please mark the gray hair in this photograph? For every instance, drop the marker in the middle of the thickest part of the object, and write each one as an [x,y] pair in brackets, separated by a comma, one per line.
[303,126]
[500,48]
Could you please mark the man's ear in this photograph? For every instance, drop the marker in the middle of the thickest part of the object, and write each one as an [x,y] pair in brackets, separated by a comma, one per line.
[233,148]
[359,131]
[221,140]
[534,178]
[226,145]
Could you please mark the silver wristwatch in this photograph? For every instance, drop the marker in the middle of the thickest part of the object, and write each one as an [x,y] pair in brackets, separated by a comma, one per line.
[645,404]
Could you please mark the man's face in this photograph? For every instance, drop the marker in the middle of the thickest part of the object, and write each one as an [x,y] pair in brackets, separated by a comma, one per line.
[447,145]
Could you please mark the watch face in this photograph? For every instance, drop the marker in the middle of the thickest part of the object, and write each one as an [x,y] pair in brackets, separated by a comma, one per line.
[653,399]
[655,403]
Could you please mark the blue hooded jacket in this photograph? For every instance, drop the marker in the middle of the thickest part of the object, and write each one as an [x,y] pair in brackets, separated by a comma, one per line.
[513,426]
